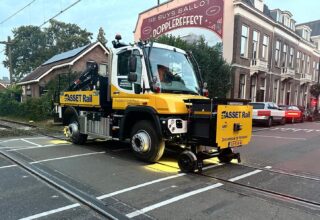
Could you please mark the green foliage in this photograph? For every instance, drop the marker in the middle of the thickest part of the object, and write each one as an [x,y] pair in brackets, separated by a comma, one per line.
[33,46]
[315,90]
[32,109]
[101,37]
[214,69]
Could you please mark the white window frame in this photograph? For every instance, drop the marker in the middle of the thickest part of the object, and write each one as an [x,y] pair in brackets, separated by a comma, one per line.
[277,53]
[242,86]
[291,58]
[255,44]
[244,38]
[265,47]
[284,62]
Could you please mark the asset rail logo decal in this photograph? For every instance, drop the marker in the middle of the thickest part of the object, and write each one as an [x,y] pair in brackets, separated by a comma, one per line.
[235,114]
[77,98]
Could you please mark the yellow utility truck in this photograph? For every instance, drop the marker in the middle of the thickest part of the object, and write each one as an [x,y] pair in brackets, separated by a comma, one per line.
[153,97]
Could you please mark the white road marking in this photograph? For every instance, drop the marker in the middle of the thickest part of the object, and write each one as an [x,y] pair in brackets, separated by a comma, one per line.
[279,137]
[151,182]
[244,175]
[13,165]
[172,200]
[29,138]
[309,130]
[30,142]
[186,195]
[43,146]
[51,212]
[72,156]
[57,158]
[112,194]
[268,167]
[139,186]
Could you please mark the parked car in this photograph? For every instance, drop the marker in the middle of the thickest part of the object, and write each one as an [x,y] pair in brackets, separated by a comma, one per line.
[267,113]
[293,113]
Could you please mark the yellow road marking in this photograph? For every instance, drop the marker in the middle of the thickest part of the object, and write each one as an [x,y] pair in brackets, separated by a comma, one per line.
[59,142]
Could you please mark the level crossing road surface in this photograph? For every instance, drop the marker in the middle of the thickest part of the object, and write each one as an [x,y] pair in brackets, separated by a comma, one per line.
[279,178]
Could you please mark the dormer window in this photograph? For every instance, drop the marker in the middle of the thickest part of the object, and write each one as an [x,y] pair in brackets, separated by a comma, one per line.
[286,21]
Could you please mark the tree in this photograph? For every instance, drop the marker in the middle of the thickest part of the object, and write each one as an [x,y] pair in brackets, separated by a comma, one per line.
[33,46]
[101,37]
[214,69]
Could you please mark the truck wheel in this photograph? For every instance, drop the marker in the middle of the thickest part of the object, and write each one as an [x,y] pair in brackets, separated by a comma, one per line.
[73,131]
[225,155]
[269,122]
[146,143]
[187,162]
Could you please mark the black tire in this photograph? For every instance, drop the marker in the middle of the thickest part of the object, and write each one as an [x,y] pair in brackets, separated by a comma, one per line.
[293,120]
[187,162]
[224,155]
[283,121]
[269,122]
[142,132]
[78,138]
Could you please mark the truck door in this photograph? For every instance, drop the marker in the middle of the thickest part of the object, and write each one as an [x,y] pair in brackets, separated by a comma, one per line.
[120,82]
[123,92]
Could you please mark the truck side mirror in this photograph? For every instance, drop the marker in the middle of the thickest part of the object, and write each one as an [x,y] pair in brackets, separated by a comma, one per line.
[133,64]
[132,77]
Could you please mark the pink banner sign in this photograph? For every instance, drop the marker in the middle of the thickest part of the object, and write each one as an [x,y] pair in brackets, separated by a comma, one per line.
[206,14]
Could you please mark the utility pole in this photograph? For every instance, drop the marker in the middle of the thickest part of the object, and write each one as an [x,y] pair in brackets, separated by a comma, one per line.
[158,2]
[8,44]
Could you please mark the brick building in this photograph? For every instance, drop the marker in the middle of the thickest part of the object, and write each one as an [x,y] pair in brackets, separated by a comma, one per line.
[75,60]
[274,59]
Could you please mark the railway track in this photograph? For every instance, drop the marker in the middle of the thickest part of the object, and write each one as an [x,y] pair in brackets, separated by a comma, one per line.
[314,205]
[62,186]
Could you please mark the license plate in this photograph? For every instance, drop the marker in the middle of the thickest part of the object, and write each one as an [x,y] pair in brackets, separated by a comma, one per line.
[234,143]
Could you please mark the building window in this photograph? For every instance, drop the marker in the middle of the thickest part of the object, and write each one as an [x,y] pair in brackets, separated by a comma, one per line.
[244,41]
[284,55]
[253,88]
[255,45]
[303,64]
[291,58]
[286,21]
[277,53]
[265,47]
[298,62]
[308,65]
[242,86]
[275,94]
[103,69]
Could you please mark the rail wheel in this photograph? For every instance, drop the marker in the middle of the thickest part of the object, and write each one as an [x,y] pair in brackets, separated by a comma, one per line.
[73,132]
[145,142]
[187,162]
[225,155]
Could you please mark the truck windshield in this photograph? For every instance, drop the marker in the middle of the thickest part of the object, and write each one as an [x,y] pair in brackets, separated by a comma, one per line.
[172,71]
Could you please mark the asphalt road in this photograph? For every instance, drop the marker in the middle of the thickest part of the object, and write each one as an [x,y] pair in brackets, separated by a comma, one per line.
[281,159]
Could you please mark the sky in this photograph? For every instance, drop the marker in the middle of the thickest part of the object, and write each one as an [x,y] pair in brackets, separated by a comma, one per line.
[114,16]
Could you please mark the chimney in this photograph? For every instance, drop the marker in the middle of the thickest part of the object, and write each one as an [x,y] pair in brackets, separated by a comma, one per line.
[259,4]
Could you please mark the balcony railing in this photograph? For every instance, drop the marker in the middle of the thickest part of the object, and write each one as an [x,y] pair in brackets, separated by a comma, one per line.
[258,65]
[305,78]
[287,73]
